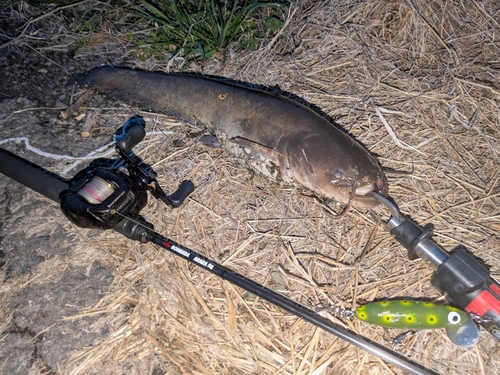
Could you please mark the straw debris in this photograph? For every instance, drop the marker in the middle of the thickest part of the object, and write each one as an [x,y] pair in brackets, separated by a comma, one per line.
[393,73]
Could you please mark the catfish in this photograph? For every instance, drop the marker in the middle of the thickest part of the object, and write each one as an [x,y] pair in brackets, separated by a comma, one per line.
[282,138]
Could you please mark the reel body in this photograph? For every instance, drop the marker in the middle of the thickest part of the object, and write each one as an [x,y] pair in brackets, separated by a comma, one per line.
[101,197]
[110,193]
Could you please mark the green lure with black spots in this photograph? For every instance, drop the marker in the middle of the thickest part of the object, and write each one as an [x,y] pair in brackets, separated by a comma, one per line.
[411,315]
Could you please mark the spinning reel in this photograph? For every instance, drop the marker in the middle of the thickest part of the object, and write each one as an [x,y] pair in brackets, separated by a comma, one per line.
[110,193]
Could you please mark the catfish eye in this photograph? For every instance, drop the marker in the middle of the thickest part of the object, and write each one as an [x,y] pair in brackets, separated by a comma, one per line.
[339,173]
[454,317]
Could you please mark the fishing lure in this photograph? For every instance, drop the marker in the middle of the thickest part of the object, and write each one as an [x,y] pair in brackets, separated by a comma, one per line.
[411,315]
[414,315]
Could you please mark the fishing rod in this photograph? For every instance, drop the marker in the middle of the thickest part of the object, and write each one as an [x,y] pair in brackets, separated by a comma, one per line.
[110,193]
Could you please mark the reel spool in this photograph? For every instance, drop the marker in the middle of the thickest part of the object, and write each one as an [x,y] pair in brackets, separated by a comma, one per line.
[102,197]
[96,190]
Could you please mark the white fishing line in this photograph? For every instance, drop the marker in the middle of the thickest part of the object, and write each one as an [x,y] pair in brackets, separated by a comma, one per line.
[90,156]
[101,152]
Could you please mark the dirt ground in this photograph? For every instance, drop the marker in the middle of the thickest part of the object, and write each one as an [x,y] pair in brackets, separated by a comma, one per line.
[76,301]
[35,236]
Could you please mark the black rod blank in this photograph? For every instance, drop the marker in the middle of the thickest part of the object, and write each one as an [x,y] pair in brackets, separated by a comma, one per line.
[287,304]
[31,175]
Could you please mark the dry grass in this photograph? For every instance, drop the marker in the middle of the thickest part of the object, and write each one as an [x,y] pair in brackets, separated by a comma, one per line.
[435,66]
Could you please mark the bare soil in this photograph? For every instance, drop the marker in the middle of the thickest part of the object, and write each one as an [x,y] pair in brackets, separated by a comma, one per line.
[36,241]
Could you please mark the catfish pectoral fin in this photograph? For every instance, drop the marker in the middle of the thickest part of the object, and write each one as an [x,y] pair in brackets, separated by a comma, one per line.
[265,151]
[264,159]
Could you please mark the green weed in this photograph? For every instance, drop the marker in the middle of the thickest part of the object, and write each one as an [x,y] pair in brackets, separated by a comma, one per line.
[198,30]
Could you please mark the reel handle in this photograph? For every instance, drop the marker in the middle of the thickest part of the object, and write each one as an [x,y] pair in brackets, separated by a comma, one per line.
[177,197]
[131,133]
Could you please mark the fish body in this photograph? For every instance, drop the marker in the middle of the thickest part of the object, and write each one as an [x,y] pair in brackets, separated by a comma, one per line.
[283,138]
[411,315]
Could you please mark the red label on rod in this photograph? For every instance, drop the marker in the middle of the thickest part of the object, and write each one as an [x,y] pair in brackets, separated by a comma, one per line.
[483,303]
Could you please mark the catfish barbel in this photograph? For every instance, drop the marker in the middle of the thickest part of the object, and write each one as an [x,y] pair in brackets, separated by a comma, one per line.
[283,138]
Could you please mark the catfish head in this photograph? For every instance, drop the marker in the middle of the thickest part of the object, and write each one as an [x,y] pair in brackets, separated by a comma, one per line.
[344,171]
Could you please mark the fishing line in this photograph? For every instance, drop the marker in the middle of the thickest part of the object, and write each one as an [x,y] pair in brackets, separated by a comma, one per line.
[98,153]
[101,152]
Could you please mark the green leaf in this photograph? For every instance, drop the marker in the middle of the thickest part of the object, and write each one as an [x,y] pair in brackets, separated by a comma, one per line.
[154,10]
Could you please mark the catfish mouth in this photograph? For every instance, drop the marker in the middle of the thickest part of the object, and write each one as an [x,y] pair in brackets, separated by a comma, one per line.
[360,199]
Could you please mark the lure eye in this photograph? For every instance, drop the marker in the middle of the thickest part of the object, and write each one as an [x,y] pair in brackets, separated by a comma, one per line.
[454,317]
[339,173]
